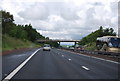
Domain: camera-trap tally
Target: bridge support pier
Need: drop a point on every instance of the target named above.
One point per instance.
(75, 43)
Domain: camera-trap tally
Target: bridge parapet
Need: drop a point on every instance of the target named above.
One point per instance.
(58, 40)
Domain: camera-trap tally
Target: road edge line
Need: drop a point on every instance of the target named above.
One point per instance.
(19, 67)
(94, 57)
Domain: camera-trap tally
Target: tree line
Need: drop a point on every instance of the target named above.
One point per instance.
(23, 32)
(98, 33)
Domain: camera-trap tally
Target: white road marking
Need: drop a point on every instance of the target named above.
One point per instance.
(69, 59)
(106, 60)
(95, 57)
(19, 67)
(85, 68)
(62, 55)
(100, 58)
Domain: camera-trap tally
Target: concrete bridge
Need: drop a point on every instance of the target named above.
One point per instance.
(45, 41)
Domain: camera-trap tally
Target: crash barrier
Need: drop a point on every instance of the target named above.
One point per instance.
(110, 54)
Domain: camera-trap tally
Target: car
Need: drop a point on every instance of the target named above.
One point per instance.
(71, 48)
(80, 48)
(46, 47)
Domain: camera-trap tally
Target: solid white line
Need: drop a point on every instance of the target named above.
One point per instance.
(95, 57)
(20, 66)
(101, 59)
(85, 68)
(106, 60)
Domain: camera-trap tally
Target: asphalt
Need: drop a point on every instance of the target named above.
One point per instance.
(59, 64)
(11, 61)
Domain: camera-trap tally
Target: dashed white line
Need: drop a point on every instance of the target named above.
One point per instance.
(85, 68)
(62, 55)
(19, 67)
(69, 59)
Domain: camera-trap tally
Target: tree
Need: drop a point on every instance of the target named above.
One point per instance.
(18, 31)
(47, 38)
(7, 22)
(101, 28)
(98, 33)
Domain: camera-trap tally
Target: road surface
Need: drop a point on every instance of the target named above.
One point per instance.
(58, 64)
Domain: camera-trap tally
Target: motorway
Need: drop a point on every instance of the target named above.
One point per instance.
(58, 64)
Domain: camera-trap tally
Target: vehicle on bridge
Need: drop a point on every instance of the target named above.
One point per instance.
(46, 47)
(108, 43)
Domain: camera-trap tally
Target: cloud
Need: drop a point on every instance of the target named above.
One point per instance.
(69, 13)
(35, 12)
(64, 19)
(97, 4)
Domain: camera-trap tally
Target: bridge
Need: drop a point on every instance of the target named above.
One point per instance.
(45, 41)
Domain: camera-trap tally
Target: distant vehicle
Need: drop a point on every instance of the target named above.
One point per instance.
(108, 43)
(46, 47)
(72, 48)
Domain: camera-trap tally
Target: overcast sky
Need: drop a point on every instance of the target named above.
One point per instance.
(64, 19)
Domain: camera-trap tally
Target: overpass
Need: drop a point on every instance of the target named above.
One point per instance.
(45, 41)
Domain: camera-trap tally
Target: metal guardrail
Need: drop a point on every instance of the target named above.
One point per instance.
(112, 54)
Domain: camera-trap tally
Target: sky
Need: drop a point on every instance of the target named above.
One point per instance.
(64, 19)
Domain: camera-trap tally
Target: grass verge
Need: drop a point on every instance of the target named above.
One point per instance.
(11, 43)
(91, 46)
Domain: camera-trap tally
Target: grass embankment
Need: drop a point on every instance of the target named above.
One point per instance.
(90, 46)
(10, 43)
